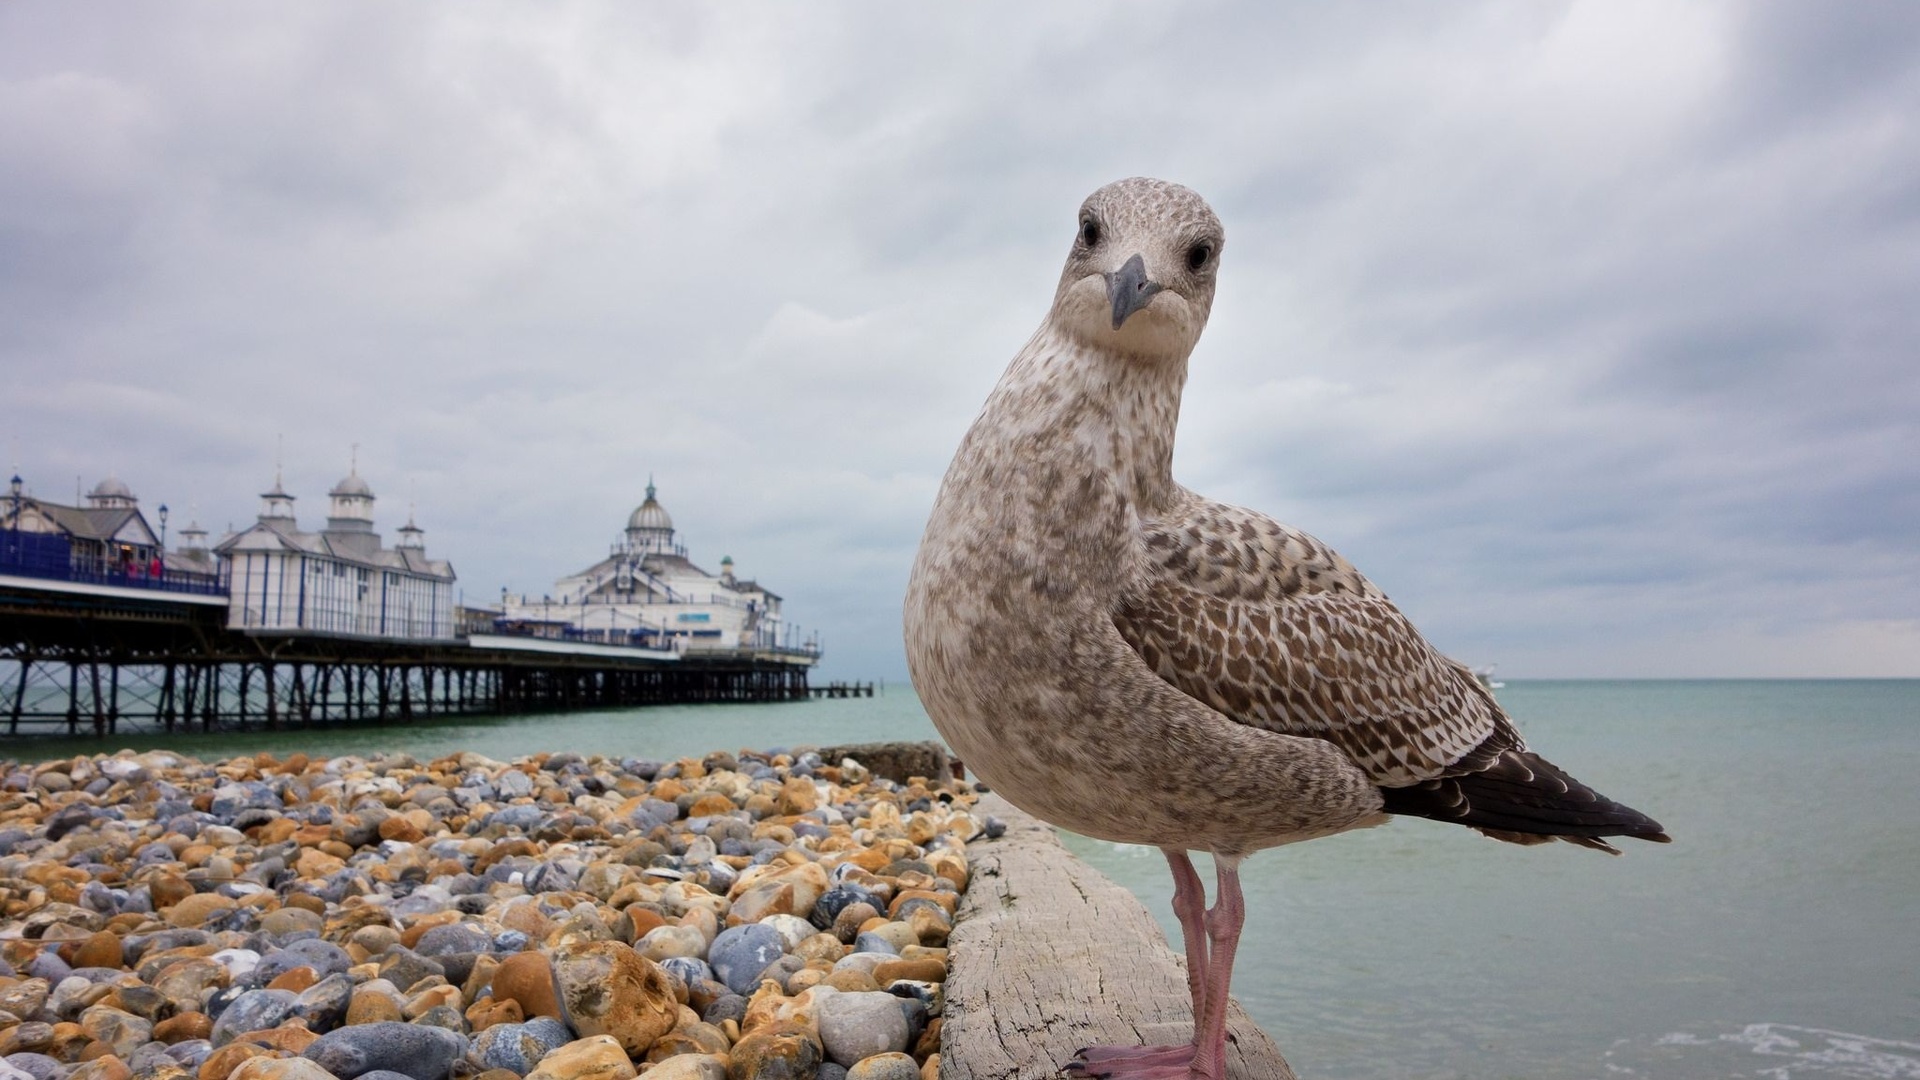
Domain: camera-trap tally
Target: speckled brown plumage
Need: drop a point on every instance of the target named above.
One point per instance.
(1269, 626)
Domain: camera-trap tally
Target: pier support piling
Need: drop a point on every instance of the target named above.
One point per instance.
(123, 685)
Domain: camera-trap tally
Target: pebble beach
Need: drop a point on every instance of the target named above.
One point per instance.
(556, 917)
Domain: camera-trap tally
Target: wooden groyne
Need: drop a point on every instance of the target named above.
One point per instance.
(1048, 955)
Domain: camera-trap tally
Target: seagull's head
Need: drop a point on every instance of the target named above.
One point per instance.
(1140, 278)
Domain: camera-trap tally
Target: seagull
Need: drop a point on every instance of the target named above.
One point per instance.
(1135, 662)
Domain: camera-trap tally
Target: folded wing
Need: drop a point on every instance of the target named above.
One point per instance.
(1272, 628)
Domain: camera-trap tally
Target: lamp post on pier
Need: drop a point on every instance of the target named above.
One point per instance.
(163, 529)
(14, 487)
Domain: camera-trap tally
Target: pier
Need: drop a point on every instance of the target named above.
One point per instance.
(105, 630)
(111, 657)
(842, 690)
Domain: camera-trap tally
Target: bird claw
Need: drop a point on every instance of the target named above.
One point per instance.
(1131, 1062)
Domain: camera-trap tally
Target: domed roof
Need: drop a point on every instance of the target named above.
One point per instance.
(352, 485)
(650, 514)
(110, 488)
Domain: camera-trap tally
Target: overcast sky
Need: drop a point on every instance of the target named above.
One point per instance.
(1591, 332)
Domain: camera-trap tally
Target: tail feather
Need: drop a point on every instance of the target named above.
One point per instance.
(1522, 798)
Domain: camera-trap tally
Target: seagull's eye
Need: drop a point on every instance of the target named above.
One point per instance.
(1199, 255)
(1089, 232)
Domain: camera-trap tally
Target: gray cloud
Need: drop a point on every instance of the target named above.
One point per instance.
(1585, 329)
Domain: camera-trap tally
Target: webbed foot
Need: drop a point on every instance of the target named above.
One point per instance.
(1133, 1062)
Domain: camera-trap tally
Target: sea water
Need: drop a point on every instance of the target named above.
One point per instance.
(1778, 936)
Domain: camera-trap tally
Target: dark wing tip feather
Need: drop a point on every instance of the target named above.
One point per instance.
(1522, 798)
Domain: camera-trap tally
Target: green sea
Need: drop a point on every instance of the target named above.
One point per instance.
(1777, 937)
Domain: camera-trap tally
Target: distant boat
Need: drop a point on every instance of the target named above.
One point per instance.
(1484, 675)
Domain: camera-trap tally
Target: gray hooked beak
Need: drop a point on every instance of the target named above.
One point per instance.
(1129, 289)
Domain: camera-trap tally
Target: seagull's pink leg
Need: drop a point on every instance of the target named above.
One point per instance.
(1164, 1062)
(1229, 913)
(1190, 906)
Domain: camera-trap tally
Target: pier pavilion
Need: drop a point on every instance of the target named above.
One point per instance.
(107, 538)
(647, 590)
(339, 580)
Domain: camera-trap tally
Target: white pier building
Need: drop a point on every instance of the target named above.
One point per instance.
(340, 580)
(648, 592)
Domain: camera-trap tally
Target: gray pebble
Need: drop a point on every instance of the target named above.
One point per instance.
(403, 967)
(255, 1010)
(38, 1066)
(860, 1025)
(444, 1016)
(48, 965)
(740, 953)
(522, 817)
(452, 938)
(518, 1047)
(324, 1004)
(418, 1051)
(916, 1012)
(688, 969)
(726, 1007)
(190, 1052)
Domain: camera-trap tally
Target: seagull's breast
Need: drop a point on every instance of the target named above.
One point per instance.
(1034, 542)
(1018, 567)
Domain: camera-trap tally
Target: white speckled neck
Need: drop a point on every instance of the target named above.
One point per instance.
(1091, 412)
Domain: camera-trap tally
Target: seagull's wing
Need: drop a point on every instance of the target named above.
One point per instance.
(1272, 628)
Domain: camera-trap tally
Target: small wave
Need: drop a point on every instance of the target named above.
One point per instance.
(1799, 1053)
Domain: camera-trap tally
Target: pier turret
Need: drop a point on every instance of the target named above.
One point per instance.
(350, 515)
(111, 494)
(193, 556)
(410, 536)
(351, 508)
(276, 504)
(650, 527)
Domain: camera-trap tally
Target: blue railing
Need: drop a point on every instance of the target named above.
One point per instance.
(632, 639)
(551, 631)
(50, 557)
